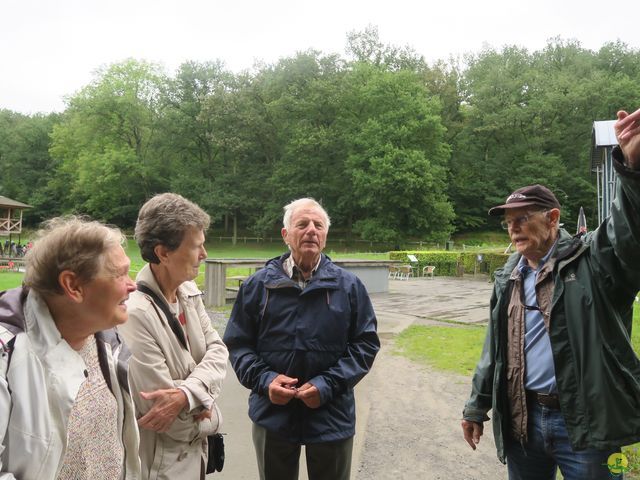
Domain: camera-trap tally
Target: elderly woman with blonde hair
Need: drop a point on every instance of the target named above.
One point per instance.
(179, 361)
(65, 406)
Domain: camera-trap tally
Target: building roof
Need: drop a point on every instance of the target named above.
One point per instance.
(8, 203)
(603, 133)
(603, 137)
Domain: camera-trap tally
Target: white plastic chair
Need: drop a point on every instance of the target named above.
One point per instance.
(393, 271)
(404, 272)
(428, 271)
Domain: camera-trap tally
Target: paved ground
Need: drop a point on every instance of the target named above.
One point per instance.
(408, 416)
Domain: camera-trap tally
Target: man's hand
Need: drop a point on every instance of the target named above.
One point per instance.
(472, 432)
(627, 130)
(168, 403)
(309, 394)
(282, 389)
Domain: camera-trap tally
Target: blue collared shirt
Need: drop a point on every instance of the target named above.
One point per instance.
(540, 374)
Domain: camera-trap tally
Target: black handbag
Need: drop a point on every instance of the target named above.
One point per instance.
(215, 458)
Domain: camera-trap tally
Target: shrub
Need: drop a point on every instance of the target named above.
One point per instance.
(453, 263)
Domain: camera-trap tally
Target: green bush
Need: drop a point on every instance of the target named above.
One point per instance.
(491, 261)
(454, 263)
(445, 262)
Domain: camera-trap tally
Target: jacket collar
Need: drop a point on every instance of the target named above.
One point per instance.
(186, 290)
(567, 246)
(39, 323)
(326, 275)
(120, 354)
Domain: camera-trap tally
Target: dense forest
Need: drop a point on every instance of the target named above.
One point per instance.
(394, 147)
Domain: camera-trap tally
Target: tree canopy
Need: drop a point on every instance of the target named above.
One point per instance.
(393, 147)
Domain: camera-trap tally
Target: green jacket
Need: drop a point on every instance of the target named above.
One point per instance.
(596, 279)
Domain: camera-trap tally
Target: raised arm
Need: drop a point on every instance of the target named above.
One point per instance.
(627, 130)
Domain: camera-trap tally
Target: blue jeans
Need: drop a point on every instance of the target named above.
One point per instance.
(549, 448)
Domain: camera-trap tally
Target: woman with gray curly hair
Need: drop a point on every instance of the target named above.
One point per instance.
(179, 361)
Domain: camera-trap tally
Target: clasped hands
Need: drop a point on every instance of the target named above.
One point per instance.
(283, 389)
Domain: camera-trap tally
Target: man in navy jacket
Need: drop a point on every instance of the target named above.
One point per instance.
(302, 333)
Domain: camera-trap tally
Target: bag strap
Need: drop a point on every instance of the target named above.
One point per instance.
(174, 323)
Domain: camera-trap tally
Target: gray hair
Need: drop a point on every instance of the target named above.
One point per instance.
(164, 220)
(290, 209)
(72, 243)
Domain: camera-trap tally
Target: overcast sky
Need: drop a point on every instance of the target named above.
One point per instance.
(50, 48)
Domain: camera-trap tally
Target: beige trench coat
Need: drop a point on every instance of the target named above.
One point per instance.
(159, 361)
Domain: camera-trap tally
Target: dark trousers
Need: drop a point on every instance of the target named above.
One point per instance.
(280, 460)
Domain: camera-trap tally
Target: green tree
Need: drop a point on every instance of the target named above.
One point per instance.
(528, 119)
(396, 155)
(365, 46)
(301, 98)
(25, 162)
(107, 143)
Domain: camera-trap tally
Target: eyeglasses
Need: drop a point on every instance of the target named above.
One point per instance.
(521, 220)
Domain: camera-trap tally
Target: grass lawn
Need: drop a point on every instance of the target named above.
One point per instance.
(10, 280)
(457, 349)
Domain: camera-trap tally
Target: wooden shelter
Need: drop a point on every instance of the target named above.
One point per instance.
(11, 216)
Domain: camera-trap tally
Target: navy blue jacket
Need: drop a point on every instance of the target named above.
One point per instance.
(324, 334)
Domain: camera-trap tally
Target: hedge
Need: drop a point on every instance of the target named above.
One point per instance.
(456, 264)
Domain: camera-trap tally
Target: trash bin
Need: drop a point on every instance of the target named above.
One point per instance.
(448, 245)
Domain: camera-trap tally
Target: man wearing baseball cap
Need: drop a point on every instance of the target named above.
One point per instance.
(558, 370)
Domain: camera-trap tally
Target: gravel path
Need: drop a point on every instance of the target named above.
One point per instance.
(412, 426)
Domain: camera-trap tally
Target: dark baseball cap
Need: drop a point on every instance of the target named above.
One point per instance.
(532, 195)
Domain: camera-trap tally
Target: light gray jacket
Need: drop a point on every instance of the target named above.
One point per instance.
(40, 388)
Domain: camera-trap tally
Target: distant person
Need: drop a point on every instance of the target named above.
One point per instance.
(558, 368)
(301, 335)
(179, 361)
(65, 407)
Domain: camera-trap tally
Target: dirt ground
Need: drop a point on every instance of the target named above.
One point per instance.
(408, 415)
